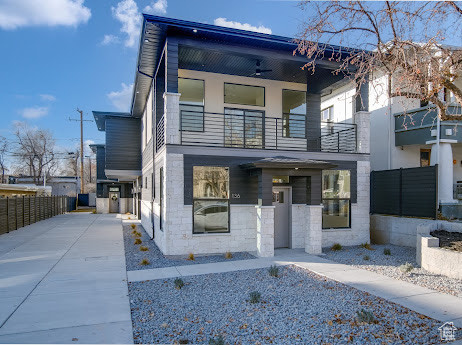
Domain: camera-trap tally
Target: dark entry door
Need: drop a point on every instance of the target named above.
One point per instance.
(281, 203)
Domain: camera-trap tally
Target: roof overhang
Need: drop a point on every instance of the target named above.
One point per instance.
(101, 116)
(287, 163)
(122, 175)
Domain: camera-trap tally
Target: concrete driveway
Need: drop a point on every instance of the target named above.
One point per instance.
(63, 280)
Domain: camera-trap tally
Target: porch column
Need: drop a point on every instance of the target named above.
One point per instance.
(265, 231)
(172, 118)
(313, 235)
(445, 171)
(363, 131)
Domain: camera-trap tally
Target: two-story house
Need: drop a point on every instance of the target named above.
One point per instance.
(407, 134)
(235, 154)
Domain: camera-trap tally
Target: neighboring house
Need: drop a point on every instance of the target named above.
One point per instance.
(60, 185)
(113, 195)
(234, 154)
(15, 190)
(408, 134)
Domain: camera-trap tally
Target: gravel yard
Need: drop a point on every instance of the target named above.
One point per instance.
(388, 265)
(133, 254)
(298, 307)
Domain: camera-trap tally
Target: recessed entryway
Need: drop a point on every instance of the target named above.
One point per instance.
(281, 202)
(114, 202)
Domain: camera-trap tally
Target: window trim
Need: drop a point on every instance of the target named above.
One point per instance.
(322, 201)
(212, 199)
(250, 105)
(286, 116)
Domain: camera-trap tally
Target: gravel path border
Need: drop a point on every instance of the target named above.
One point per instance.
(298, 307)
(388, 265)
(134, 256)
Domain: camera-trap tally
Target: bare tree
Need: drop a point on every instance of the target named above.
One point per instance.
(35, 151)
(404, 39)
(3, 152)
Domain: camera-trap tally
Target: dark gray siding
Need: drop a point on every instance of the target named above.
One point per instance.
(123, 144)
(306, 183)
(313, 121)
(172, 65)
(125, 189)
(100, 163)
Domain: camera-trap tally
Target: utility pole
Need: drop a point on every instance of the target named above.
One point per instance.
(82, 184)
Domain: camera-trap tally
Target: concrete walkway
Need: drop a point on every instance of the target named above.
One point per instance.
(63, 280)
(428, 302)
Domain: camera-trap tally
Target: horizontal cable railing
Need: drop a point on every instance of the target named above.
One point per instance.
(257, 131)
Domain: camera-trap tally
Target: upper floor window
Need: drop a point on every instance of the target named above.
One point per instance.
(294, 113)
(244, 94)
(327, 114)
(192, 98)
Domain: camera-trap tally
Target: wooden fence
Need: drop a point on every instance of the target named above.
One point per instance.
(17, 212)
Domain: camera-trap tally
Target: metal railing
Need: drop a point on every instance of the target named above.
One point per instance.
(256, 131)
(458, 190)
(160, 134)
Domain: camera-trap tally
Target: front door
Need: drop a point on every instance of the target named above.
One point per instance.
(281, 216)
(114, 202)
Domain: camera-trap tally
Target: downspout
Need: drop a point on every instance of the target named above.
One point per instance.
(438, 136)
(390, 125)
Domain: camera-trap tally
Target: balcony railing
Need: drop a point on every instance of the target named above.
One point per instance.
(256, 131)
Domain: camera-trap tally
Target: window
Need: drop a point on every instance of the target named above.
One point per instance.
(336, 199)
(281, 179)
(425, 157)
(293, 113)
(327, 114)
(191, 104)
(244, 94)
(243, 128)
(210, 199)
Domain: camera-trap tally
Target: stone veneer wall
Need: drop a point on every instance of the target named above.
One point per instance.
(402, 231)
(298, 225)
(265, 231)
(102, 205)
(360, 219)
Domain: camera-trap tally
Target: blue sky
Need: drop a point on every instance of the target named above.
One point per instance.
(58, 55)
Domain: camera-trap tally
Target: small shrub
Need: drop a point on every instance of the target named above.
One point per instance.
(191, 257)
(406, 268)
(366, 257)
(366, 246)
(365, 316)
(179, 283)
(255, 297)
(94, 212)
(129, 218)
(386, 251)
(218, 341)
(144, 249)
(137, 234)
(144, 262)
(138, 241)
(273, 271)
(228, 255)
(133, 226)
(183, 341)
(336, 247)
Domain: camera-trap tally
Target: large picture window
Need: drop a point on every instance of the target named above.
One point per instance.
(192, 98)
(336, 199)
(210, 199)
(293, 114)
(244, 94)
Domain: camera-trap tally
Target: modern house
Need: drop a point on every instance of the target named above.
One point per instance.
(118, 162)
(409, 134)
(234, 154)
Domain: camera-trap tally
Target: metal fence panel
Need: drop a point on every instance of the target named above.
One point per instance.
(405, 192)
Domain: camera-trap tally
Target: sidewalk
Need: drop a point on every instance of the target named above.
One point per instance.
(428, 302)
(63, 280)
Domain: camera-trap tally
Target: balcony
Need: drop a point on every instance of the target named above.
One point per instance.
(257, 131)
(418, 126)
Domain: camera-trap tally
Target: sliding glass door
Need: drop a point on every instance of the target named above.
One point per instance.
(243, 128)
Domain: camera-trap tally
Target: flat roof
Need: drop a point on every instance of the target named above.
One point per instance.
(101, 116)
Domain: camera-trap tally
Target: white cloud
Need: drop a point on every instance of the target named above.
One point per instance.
(241, 26)
(34, 112)
(109, 39)
(127, 14)
(158, 7)
(49, 98)
(20, 13)
(121, 99)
